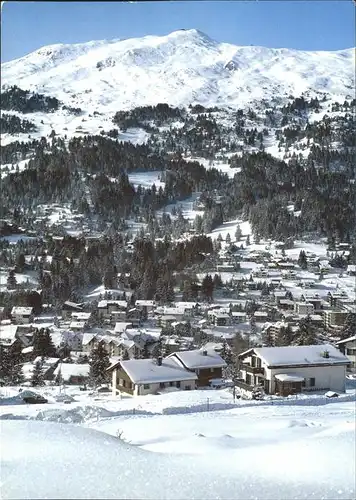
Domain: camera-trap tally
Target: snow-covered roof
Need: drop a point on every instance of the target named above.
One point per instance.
(68, 370)
(199, 358)
(77, 324)
(22, 311)
(8, 332)
(146, 371)
(186, 305)
(289, 377)
(349, 339)
(28, 349)
(81, 316)
(87, 337)
(121, 326)
(299, 355)
(145, 303)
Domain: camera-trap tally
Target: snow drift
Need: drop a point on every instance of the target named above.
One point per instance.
(47, 460)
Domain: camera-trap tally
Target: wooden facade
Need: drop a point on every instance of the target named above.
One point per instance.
(123, 382)
(206, 374)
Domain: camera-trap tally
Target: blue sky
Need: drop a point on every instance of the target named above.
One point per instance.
(305, 25)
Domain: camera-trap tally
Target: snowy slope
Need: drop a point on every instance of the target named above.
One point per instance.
(182, 68)
(266, 452)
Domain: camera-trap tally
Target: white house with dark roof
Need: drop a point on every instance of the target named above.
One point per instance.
(140, 377)
(291, 370)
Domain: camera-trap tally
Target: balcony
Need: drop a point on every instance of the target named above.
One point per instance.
(252, 369)
(242, 385)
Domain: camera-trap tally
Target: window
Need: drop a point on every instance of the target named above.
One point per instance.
(303, 383)
(170, 384)
(178, 385)
(212, 370)
(162, 385)
(312, 382)
(123, 383)
(187, 387)
(351, 352)
(146, 386)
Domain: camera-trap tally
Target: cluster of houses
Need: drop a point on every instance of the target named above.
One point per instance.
(131, 332)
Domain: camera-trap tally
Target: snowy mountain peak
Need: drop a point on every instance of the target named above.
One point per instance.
(181, 68)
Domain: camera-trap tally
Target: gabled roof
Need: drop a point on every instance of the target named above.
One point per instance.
(349, 339)
(197, 359)
(147, 371)
(299, 355)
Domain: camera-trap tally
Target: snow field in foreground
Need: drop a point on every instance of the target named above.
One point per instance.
(252, 451)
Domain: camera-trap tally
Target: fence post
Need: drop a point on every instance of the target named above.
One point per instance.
(207, 400)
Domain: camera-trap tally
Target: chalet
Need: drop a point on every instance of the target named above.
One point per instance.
(140, 377)
(278, 295)
(351, 270)
(260, 316)
(145, 306)
(106, 308)
(167, 320)
(81, 316)
(219, 318)
(291, 370)
(77, 326)
(286, 304)
(134, 315)
(348, 347)
(117, 316)
(189, 308)
(71, 373)
(22, 315)
(207, 365)
(238, 317)
(89, 341)
(69, 307)
(10, 336)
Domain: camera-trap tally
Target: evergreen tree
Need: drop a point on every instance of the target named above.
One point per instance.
(226, 353)
(37, 375)
(238, 233)
(43, 344)
(99, 362)
(228, 239)
(11, 280)
(302, 260)
(82, 359)
(20, 262)
(285, 336)
(10, 365)
(157, 350)
(248, 240)
(349, 327)
(207, 288)
(306, 332)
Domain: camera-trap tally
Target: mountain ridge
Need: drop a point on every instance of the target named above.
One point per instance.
(181, 68)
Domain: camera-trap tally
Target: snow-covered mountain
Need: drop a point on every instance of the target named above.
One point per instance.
(184, 67)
